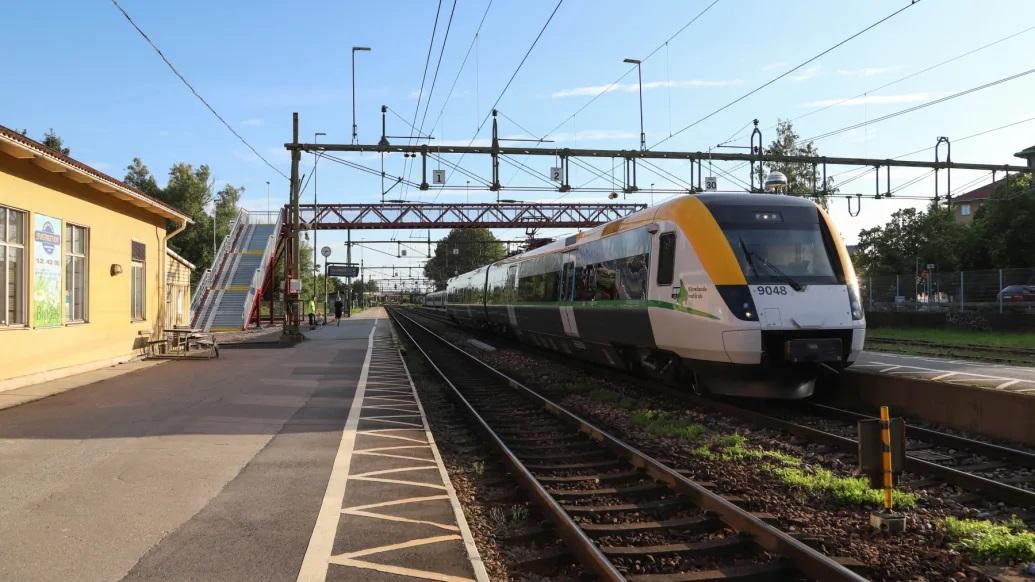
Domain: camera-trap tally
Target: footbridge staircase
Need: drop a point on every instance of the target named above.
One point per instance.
(228, 293)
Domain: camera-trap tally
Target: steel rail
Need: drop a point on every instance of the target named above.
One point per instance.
(1017, 456)
(805, 559)
(1002, 491)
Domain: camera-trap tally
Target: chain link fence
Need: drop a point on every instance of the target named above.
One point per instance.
(991, 290)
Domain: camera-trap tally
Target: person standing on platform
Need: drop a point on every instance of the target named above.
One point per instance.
(339, 308)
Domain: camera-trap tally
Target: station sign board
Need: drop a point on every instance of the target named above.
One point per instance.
(342, 271)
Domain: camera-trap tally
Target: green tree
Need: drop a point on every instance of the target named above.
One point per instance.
(190, 191)
(53, 142)
(1003, 234)
(913, 236)
(462, 250)
(802, 179)
(226, 208)
(139, 176)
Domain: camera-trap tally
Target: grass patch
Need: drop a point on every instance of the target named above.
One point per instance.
(824, 483)
(668, 425)
(1000, 543)
(955, 337)
(611, 397)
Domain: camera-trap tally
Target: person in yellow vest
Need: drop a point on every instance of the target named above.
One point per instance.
(312, 312)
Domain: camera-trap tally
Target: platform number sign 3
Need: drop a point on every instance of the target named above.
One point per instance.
(438, 177)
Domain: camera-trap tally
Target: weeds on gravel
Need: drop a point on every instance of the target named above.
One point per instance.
(511, 520)
(667, 425)
(849, 490)
(478, 468)
(611, 397)
(987, 541)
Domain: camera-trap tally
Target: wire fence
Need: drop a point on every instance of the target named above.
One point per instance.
(991, 290)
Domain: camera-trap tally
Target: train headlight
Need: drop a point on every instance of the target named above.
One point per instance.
(855, 302)
(738, 299)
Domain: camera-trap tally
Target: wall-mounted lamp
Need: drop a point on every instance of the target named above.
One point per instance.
(116, 269)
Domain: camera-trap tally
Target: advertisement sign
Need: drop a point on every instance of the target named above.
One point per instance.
(46, 270)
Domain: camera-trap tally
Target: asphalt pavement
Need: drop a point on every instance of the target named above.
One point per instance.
(192, 470)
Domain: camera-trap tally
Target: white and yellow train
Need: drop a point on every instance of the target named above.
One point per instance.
(734, 294)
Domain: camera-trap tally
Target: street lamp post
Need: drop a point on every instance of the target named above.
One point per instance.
(267, 197)
(315, 246)
(639, 75)
(354, 49)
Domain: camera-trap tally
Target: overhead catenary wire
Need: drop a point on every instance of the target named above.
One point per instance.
(461, 69)
(190, 86)
(424, 78)
(788, 72)
(608, 88)
(920, 106)
(512, 77)
(895, 82)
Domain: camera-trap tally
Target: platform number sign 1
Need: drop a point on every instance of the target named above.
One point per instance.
(555, 174)
(438, 177)
(711, 184)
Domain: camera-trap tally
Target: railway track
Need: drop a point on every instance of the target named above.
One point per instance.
(621, 513)
(1001, 355)
(1001, 473)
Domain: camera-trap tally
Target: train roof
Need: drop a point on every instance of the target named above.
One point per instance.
(648, 215)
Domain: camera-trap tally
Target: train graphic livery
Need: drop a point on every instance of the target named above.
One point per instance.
(731, 294)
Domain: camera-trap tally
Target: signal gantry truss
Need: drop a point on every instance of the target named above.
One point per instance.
(461, 215)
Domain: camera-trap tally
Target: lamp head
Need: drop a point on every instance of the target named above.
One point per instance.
(360, 48)
(632, 61)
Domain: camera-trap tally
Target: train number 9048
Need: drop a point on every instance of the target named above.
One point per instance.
(771, 290)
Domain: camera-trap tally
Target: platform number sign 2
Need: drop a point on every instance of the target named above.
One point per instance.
(438, 177)
(555, 174)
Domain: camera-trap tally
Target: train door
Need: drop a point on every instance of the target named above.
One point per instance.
(569, 273)
(510, 292)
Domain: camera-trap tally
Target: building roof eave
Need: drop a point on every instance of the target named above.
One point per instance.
(20, 147)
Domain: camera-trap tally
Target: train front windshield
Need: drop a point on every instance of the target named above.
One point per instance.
(780, 247)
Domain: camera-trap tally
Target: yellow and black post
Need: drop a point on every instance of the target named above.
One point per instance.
(885, 439)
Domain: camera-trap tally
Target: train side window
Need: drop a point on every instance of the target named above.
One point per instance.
(666, 258)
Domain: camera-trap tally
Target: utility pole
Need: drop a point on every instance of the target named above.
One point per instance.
(639, 75)
(291, 321)
(348, 280)
(316, 160)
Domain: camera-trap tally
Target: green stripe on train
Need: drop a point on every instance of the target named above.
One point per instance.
(607, 303)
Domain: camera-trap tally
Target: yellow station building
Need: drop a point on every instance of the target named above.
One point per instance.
(84, 268)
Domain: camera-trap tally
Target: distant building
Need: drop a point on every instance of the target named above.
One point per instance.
(966, 205)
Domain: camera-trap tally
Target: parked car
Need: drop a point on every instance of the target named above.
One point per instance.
(1018, 297)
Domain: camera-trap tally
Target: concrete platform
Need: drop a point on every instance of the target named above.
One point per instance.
(390, 512)
(219, 469)
(1015, 379)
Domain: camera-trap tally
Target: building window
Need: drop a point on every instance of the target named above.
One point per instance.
(12, 267)
(137, 283)
(964, 209)
(77, 245)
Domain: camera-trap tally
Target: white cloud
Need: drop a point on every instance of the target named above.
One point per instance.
(774, 66)
(806, 73)
(868, 71)
(593, 90)
(253, 122)
(875, 100)
(163, 133)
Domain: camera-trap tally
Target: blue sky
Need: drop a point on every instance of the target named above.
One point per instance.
(79, 68)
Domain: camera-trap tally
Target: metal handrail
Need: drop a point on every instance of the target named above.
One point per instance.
(205, 282)
(260, 273)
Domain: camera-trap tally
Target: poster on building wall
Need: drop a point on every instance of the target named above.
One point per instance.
(46, 270)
